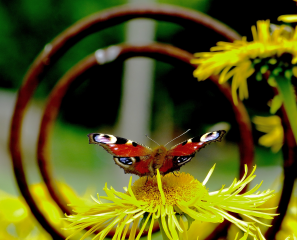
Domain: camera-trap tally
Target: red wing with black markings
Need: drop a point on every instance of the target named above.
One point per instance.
(131, 156)
(141, 160)
(182, 153)
(120, 147)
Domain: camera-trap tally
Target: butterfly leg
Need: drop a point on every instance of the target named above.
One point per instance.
(174, 173)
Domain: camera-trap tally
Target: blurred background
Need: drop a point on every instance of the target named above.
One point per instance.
(168, 100)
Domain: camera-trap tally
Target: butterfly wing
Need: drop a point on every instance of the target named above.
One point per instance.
(132, 157)
(183, 152)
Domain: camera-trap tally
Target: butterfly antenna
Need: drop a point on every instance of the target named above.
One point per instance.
(152, 140)
(177, 137)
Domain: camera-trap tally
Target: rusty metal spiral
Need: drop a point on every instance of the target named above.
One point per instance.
(162, 52)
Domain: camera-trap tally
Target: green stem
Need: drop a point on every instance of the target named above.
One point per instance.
(287, 93)
(162, 230)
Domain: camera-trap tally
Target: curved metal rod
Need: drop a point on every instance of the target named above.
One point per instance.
(246, 149)
(162, 52)
(99, 21)
(60, 45)
(289, 150)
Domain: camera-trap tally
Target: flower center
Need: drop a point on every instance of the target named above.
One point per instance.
(177, 187)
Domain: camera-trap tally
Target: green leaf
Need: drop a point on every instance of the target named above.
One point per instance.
(259, 76)
(286, 90)
(257, 60)
(177, 210)
(164, 236)
(276, 103)
(264, 69)
(288, 74)
(145, 216)
(276, 71)
(189, 219)
(272, 61)
(271, 81)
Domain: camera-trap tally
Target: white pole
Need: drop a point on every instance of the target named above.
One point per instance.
(135, 107)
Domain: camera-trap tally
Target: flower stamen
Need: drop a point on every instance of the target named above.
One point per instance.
(175, 201)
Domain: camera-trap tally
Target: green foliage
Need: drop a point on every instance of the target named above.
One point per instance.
(27, 26)
(70, 148)
(202, 5)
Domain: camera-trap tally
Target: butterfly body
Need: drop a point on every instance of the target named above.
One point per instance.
(143, 161)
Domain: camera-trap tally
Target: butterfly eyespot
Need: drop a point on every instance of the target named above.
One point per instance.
(183, 159)
(124, 160)
(104, 138)
(209, 136)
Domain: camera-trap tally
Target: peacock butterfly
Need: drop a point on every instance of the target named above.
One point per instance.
(143, 161)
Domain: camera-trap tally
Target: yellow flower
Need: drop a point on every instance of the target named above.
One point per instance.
(273, 128)
(288, 18)
(293, 237)
(17, 221)
(204, 228)
(289, 224)
(237, 59)
(175, 201)
(288, 228)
